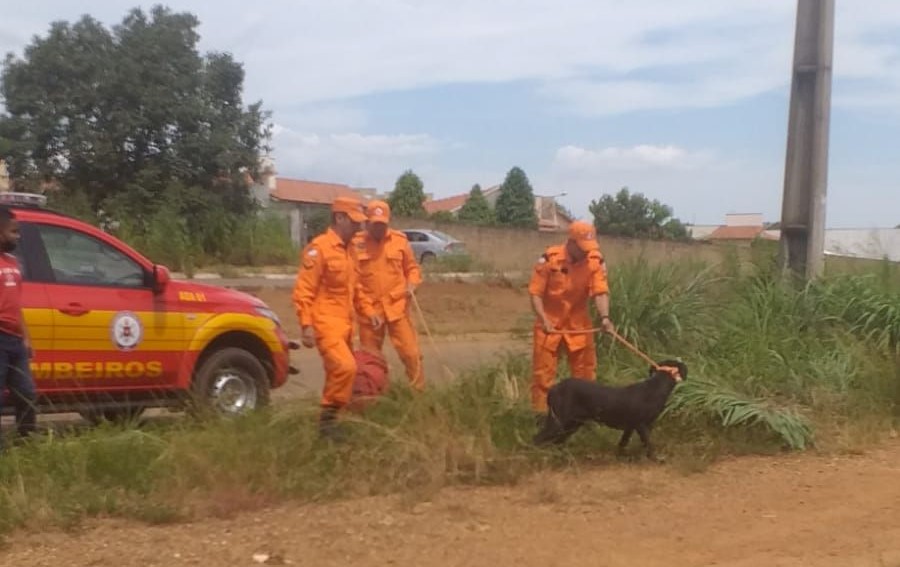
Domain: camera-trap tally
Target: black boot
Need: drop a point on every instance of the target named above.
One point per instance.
(329, 428)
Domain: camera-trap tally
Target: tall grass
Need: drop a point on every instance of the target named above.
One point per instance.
(771, 367)
(781, 358)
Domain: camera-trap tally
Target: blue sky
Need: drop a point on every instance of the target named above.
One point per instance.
(683, 101)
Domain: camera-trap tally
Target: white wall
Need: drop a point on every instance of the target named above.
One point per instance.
(874, 243)
(871, 243)
(743, 219)
(4, 177)
(702, 230)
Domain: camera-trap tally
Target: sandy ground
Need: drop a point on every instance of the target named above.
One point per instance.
(471, 325)
(789, 510)
(800, 510)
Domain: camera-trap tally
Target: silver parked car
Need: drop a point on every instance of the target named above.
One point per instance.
(428, 244)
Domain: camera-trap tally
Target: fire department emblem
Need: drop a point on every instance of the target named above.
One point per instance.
(126, 330)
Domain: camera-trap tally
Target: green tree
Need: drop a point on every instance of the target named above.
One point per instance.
(476, 209)
(121, 117)
(317, 222)
(636, 216)
(408, 196)
(6, 147)
(515, 204)
(442, 216)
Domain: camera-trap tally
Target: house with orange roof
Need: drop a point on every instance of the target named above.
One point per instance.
(551, 216)
(302, 200)
(738, 227)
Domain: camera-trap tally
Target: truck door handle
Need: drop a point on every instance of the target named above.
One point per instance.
(74, 309)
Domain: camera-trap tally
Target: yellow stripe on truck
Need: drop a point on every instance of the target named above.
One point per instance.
(260, 327)
(161, 331)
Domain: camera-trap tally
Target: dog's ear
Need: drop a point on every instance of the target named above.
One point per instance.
(682, 367)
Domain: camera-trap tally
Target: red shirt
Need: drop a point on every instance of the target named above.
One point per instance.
(10, 296)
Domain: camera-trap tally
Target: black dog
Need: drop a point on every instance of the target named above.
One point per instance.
(574, 402)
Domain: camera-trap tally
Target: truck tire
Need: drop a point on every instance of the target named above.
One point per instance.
(230, 382)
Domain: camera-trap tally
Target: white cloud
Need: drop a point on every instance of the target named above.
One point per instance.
(353, 158)
(325, 118)
(643, 156)
(691, 181)
(308, 60)
(588, 56)
(700, 186)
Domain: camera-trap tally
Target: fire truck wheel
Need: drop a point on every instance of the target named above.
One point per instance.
(230, 382)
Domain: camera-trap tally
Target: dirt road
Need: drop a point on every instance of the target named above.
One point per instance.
(446, 359)
(471, 324)
(785, 511)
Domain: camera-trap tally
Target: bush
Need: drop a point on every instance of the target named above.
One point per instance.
(187, 228)
(450, 263)
(262, 240)
(211, 236)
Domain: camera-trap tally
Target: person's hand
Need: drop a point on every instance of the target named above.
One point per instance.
(410, 291)
(607, 325)
(548, 326)
(308, 337)
(376, 322)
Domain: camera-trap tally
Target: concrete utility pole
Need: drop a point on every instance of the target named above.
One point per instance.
(806, 163)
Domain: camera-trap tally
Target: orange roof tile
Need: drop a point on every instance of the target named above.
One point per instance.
(301, 191)
(449, 204)
(454, 202)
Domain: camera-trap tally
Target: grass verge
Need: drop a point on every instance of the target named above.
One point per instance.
(772, 368)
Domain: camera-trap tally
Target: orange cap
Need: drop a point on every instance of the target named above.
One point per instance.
(583, 234)
(351, 206)
(378, 211)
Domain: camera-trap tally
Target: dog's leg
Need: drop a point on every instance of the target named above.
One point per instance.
(551, 432)
(644, 433)
(568, 430)
(623, 442)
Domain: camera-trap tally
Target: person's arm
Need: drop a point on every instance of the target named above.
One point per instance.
(411, 269)
(537, 305)
(305, 288)
(536, 288)
(601, 302)
(26, 336)
(600, 290)
(363, 302)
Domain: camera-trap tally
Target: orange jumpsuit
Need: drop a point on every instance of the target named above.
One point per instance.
(324, 296)
(565, 288)
(385, 270)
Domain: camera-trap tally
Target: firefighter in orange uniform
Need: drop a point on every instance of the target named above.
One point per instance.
(564, 279)
(324, 298)
(388, 276)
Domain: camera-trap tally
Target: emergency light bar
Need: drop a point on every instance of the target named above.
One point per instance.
(23, 199)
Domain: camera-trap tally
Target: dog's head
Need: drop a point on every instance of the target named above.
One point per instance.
(681, 374)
